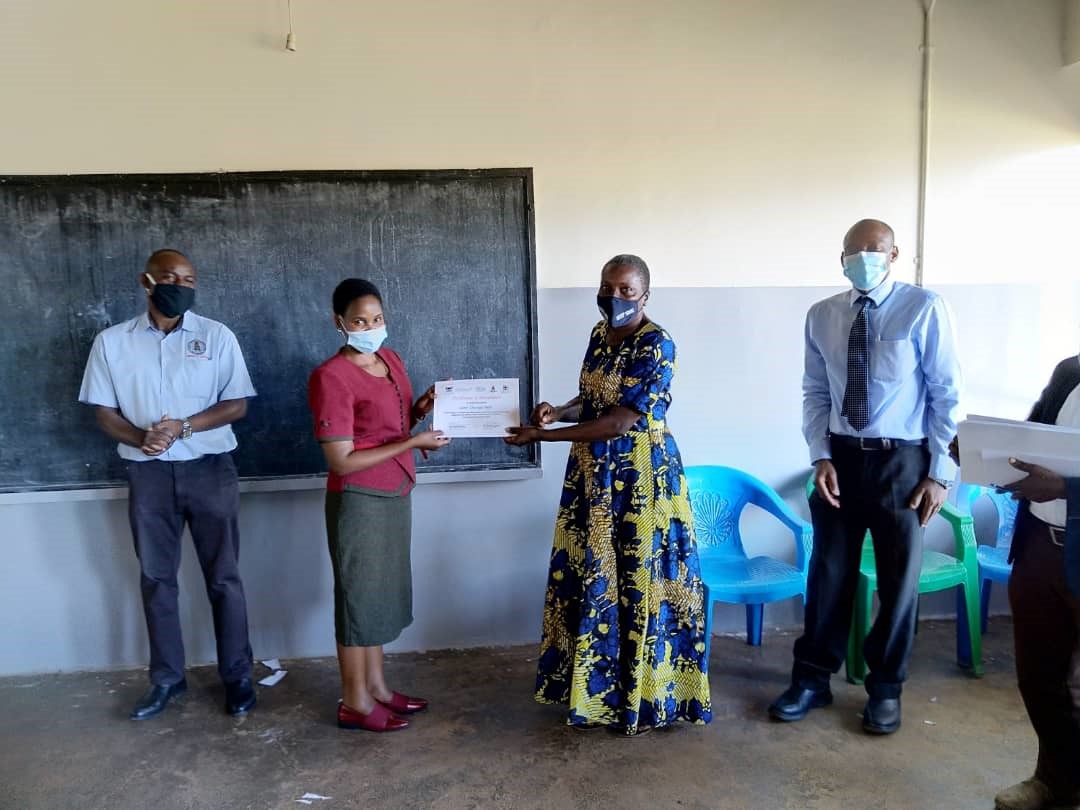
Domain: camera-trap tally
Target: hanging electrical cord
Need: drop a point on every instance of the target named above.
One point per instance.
(290, 40)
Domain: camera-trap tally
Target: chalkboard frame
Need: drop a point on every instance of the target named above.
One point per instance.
(531, 468)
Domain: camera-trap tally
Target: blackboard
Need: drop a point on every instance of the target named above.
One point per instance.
(452, 252)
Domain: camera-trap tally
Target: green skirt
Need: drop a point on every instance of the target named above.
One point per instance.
(369, 538)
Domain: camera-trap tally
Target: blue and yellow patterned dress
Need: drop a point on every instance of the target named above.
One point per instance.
(623, 637)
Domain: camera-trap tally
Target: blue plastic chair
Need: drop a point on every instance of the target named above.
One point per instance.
(994, 565)
(717, 498)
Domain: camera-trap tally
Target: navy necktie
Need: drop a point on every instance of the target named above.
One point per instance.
(856, 395)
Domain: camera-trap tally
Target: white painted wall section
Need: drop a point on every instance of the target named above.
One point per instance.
(729, 143)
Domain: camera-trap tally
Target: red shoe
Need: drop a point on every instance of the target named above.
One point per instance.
(378, 719)
(403, 704)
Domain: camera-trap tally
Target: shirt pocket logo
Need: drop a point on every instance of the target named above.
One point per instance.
(892, 360)
(196, 349)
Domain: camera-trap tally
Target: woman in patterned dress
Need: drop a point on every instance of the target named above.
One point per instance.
(623, 635)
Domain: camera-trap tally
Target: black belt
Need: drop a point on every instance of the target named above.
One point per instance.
(1056, 533)
(874, 443)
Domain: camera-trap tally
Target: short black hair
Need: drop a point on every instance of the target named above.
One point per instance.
(349, 290)
(157, 254)
(630, 260)
(876, 223)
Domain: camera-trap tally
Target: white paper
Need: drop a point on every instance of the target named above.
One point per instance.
(987, 444)
(271, 680)
(272, 663)
(315, 796)
(472, 409)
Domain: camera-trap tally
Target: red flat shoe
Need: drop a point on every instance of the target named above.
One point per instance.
(378, 719)
(403, 704)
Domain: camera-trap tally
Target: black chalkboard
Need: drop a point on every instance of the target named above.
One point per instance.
(452, 252)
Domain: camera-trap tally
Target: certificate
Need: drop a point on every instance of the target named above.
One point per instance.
(475, 409)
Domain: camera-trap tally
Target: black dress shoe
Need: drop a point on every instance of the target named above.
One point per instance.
(796, 702)
(156, 698)
(881, 715)
(239, 696)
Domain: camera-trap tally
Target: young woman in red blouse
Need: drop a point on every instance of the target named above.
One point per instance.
(364, 413)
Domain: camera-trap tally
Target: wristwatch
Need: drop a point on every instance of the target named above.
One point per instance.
(185, 429)
(945, 484)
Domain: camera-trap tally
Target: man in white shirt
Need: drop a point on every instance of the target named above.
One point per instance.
(166, 386)
(1044, 593)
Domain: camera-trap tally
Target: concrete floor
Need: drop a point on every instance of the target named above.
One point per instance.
(65, 741)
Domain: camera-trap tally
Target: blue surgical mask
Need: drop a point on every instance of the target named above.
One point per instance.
(617, 311)
(866, 270)
(367, 342)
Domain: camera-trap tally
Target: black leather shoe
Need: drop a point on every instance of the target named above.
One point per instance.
(881, 715)
(239, 696)
(156, 699)
(796, 702)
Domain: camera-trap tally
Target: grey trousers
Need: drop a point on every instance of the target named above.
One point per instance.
(205, 495)
(875, 488)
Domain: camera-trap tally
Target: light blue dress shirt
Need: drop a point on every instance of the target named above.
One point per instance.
(914, 373)
(147, 374)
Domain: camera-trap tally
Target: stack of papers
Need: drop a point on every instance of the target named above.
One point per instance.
(987, 444)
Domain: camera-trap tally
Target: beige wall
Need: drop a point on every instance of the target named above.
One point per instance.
(730, 143)
(1071, 40)
(1005, 172)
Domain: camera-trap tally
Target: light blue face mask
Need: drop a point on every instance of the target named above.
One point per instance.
(866, 270)
(367, 342)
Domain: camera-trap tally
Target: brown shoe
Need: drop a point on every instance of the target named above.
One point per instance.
(1031, 794)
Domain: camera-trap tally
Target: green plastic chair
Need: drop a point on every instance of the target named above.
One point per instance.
(939, 572)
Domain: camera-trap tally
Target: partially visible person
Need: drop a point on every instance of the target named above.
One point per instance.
(363, 410)
(1044, 593)
(624, 623)
(167, 385)
(880, 401)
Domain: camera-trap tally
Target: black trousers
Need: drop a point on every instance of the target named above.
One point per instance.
(875, 490)
(1046, 625)
(204, 494)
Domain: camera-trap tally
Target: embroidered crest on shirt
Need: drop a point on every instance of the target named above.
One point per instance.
(197, 348)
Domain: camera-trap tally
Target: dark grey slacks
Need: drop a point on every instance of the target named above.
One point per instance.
(875, 489)
(205, 495)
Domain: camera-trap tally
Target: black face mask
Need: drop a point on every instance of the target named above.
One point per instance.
(172, 300)
(617, 311)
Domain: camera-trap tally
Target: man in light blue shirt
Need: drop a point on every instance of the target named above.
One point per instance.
(167, 385)
(880, 402)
